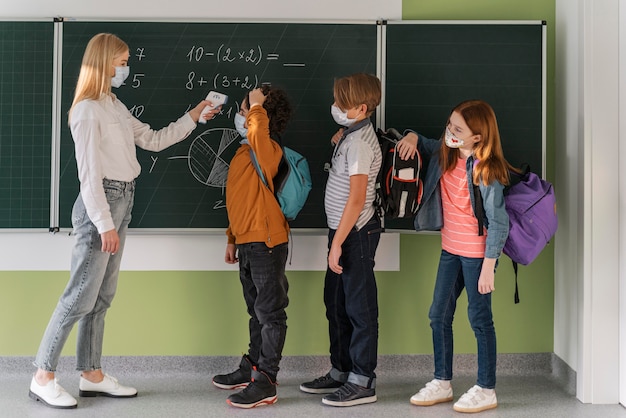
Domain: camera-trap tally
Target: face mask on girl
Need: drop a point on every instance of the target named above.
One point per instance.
(240, 120)
(453, 141)
(341, 117)
(121, 74)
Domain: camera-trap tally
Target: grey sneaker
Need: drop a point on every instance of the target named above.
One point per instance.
(240, 378)
(324, 384)
(349, 395)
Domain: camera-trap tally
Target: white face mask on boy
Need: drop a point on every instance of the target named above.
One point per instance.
(341, 117)
(121, 74)
(240, 120)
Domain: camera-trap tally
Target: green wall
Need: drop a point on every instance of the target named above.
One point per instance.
(202, 313)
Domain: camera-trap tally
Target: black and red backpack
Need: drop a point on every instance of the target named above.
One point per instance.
(399, 184)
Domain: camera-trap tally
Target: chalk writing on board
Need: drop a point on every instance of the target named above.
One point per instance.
(225, 53)
(209, 154)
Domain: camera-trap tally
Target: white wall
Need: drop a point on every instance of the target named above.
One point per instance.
(568, 249)
(197, 251)
(598, 380)
(587, 253)
(622, 203)
(194, 9)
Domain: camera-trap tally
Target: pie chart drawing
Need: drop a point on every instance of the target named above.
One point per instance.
(210, 153)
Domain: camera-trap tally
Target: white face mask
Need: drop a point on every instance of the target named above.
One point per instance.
(341, 117)
(121, 74)
(240, 120)
(453, 141)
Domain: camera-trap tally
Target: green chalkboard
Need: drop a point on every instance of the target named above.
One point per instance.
(26, 80)
(174, 65)
(426, 67)
(433, 66)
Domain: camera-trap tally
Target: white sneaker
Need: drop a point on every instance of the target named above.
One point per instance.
(431, 394)
(108, 387)
(52, 395)
(476, 400)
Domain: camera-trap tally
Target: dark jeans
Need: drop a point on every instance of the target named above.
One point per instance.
(352, 306)
(265, 286)
(454, 274)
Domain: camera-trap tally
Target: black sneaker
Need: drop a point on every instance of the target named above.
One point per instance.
(240, 378)
(260, 391)
(349, 395)
(324, 384)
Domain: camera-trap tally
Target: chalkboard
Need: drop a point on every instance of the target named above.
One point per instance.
(433, 66)
(174, 65)
(427, 67)
(26, 80)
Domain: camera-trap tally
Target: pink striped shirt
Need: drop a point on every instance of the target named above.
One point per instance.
(459, 234)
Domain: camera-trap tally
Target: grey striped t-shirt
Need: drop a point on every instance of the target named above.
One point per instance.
(358, 153)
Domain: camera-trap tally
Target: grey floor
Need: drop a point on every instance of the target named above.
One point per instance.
(528, 386)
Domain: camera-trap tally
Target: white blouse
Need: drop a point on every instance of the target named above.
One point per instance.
(105, 135)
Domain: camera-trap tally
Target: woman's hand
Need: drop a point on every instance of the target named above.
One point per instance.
(256, 97)
(197, 111)
(110, 241)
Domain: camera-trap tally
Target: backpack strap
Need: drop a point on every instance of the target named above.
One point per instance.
(256, 165)
(478, 201)
(479, 210)
(516, 289)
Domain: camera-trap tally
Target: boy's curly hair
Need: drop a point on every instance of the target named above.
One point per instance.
(278, 107)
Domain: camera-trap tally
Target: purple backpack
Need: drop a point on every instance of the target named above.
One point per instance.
(531, 206)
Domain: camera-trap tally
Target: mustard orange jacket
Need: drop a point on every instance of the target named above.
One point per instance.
(254, 214)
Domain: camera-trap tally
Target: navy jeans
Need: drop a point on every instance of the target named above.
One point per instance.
(352, 307)
(265, 286)
(454, 274)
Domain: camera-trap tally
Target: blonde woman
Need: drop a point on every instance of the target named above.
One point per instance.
(105, 135)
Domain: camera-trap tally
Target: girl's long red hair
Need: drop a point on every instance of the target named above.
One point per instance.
(481, 119)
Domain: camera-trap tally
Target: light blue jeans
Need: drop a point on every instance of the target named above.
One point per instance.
(92, 285)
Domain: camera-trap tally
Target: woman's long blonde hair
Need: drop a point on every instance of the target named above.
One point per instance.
(481, 120)
(95, 78)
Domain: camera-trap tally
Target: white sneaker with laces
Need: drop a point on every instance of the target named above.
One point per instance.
(431, 394)
(108, 387)
(476, 400)
(52, 395)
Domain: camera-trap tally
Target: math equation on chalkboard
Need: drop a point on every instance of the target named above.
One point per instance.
(174, 65)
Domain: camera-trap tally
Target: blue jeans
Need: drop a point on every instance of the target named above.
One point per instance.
(352, 307)
(265, 287)
(454, 274)
(92, 285)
